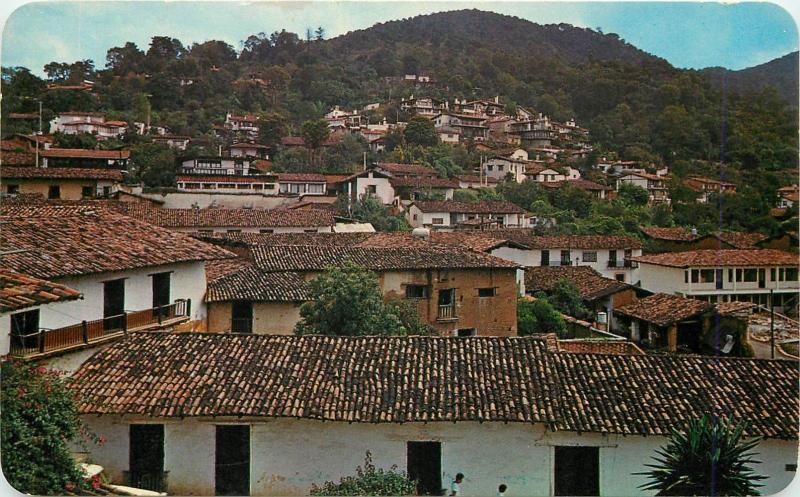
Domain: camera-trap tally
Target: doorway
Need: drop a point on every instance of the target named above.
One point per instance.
(146, 457)
(113, 304)
(577, 471)
(424, 464)
(232, 460)
(161, 293)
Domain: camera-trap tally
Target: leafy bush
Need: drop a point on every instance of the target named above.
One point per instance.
(708, 458)
(39, 419)
(369, 480)
(538, 316)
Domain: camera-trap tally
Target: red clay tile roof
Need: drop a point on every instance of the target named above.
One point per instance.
(218, 268)
(18, 291)
(734, 308)
(234, 218)
(61, 173)
(741, 240)
(256, 285)
(587, 242)
(591, 284)
(8, 158)
(396, 168)
(599, 346)
(423, 182)
(432, 379)
(317, 258)
(86, 154)
(51, 241)
(483, 207)
(717, 258)
(301, 177)
(677, 234)
(662, 309)
(252, 239)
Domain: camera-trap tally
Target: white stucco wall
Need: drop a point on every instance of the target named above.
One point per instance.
(255, 229)
(601, 265)
(383, 189)
(188, 200)
(287, 456)
(672, 280)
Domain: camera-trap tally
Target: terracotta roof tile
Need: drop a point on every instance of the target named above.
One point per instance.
(49, 241)
(430, 379)
(18, 291)
(423, 182)
(86, 154)
(256, 285)
(599, 346)
(586, 242)
(236, 218)
(302, 177)
(218, 268)
(672, 234)
(396, 169)
(317, 258)
(741, 240)
(227, 178)
(717, 258)
(62, 173)
(591, 284)
(663, 309)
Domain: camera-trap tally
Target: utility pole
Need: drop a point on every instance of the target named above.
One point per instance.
(771, 326)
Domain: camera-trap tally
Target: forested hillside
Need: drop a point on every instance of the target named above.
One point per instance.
(637, 106)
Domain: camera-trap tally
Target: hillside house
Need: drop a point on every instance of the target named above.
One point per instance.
(95, 123)
(724, 275)
(216, 165)
(249, 149)
(60, 183)
(522, 411)
(706, 186)
(132, 275)
(788, 196)
(424, 106)
(455, 215)
(411, 188)
(369, 183)
(246, 124)
(595, 189)
(177, 142)
(470, 127)
(654, 185)
(500, 166)
(534, 132)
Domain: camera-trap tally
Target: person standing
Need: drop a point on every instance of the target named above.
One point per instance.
(455, 486)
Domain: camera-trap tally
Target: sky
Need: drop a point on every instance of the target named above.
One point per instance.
(688, 35)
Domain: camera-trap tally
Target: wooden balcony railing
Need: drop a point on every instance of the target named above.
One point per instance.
(48, 340)
(623, 264)
(446, 312)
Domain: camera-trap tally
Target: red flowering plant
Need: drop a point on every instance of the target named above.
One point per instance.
(39, 421)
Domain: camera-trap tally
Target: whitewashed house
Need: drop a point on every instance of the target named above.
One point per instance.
(369, 183)
(215, 165)
(515, 164)
(249, 149)
(450, 214)
(654, 184)
(132, 275)
(724, 275)
(260, 184)
(95, 123)
(519, 411)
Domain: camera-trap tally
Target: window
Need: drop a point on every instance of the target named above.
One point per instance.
(417, 291)
(706, 276)
(437, 220)
(565, 258)
(612, 257)
(695, 276)
(258, 186)
(87, 192)
(466, 332)
(12, 189)
(424, 465)
(790, 274)
(242, 317)
(206, 232)
(620, 277)
(24, 326)
(686, 276)
(500, 168)
(545, 258)
(243, 186)
(146, 456)
(750, 275)
(54, 192)
(490, 168)
(414, 217)
(590, 257)
(310, 231)
(316, 188)
(266, 231)
(234, 231)
(487, 292)
(232, 460)
(372, 189)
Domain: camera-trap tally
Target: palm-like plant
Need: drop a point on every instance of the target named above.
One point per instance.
(708, 458)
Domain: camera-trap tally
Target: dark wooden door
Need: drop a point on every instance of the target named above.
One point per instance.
(113, 304)
(424, 464)
(161, 292)
(242, 317)
(232, 460)
(577, 471)
(146, 457)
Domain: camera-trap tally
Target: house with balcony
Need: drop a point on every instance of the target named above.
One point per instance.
(469, 126)
(595, 189)
(95, 123)
(449, 214)
(788, 196)
(59, 183)
(246, 124)
(178, 142)
(83, 158)
(458, 291)
(530, 411)
(654, 184)
(501, 166)
(423, 106)
(534, 132)
(608, 255)
(263, 184)
(302, 183)
(749, 275)
(249, 149)
(216, 165)
(132, 275)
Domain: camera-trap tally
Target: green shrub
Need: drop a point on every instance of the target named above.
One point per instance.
(369, 480)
